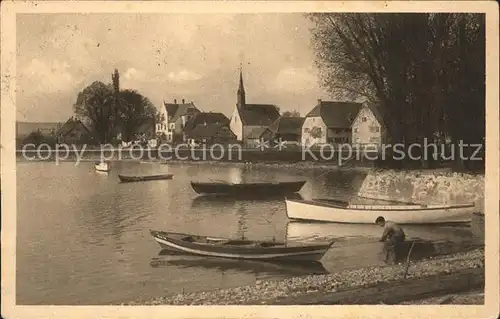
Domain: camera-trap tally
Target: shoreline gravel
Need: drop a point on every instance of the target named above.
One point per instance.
(264, 292)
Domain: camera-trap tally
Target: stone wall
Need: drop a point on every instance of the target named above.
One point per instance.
(428, 187)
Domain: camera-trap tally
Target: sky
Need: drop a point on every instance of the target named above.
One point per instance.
(195, 57)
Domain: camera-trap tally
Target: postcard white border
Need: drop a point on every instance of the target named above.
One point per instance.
(8, 160)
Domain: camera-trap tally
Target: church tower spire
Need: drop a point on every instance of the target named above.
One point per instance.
(241, 91)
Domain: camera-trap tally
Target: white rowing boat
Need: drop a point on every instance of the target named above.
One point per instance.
(102, 167)
(329, 210)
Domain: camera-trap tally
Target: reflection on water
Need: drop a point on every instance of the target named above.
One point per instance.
(83, 237)
(345, 233)
(358, 245)
(168, 258)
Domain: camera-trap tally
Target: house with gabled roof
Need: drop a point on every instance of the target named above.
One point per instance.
(174, 118)
(73, 131)
(368, 128)
(248, 117)
(210, 133)
(329, 122)
(287, 129)
(204, 118)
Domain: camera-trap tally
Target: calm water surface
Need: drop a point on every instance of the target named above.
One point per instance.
(83, 237)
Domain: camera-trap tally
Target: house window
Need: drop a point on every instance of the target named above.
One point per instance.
(355, 130)
(363, 119)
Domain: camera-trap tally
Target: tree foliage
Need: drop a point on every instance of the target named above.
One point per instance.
(293, 113)
(97, 106)
(425, 72)
(109, 110)
(136, 110)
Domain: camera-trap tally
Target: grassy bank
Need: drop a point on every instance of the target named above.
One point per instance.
(300, 290)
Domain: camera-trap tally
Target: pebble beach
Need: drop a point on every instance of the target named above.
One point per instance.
(267, 292)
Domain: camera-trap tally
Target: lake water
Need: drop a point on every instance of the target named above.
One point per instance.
(83, 237)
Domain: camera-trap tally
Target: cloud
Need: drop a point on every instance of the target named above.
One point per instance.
(183, 76)
(296, 79)
(47, 77)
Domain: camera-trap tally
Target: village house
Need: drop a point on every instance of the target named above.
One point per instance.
(73, 132)
(367, 128)
(175, 117)
(206, 122)
(286, 130)
(210, 134)
(329, 122)
(249, 117)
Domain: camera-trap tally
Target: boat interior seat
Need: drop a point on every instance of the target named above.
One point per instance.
(189, 239)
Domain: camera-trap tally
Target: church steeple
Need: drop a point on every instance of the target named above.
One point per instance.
(241, 91)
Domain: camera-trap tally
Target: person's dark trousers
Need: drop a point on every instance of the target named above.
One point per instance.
(390, 247)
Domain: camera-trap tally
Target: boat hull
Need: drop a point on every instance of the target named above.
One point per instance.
(359, 214)
(277, 253)
(130, 179)
(103, 167)
(263, 189)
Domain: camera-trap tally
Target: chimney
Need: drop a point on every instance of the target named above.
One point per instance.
(175, 101)
(319, 101)
(182, 101)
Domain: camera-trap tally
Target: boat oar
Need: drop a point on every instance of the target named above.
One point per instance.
(408, 259)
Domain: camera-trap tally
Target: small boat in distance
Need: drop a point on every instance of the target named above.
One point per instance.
(239, 249)
(130, 179)
(102, 167)
(244, 189)
(336, 211)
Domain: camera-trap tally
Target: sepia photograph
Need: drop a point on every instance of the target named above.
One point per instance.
(250, 154)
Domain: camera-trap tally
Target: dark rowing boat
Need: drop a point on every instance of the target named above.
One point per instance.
(238, 249)
(129, 179)
(260, 189)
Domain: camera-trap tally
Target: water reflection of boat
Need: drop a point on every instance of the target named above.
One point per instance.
(168, 258)
(298, 231)
(221, 200)
(239, 248)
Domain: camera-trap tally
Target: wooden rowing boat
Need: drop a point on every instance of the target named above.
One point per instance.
(256, 189)
(238, 249)
(336, 211)
(129, 179)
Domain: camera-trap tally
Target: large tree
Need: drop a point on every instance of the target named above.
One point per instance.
(109, 110)
(423, 72)
(136, 110)
(292, 113)
(95, 104)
